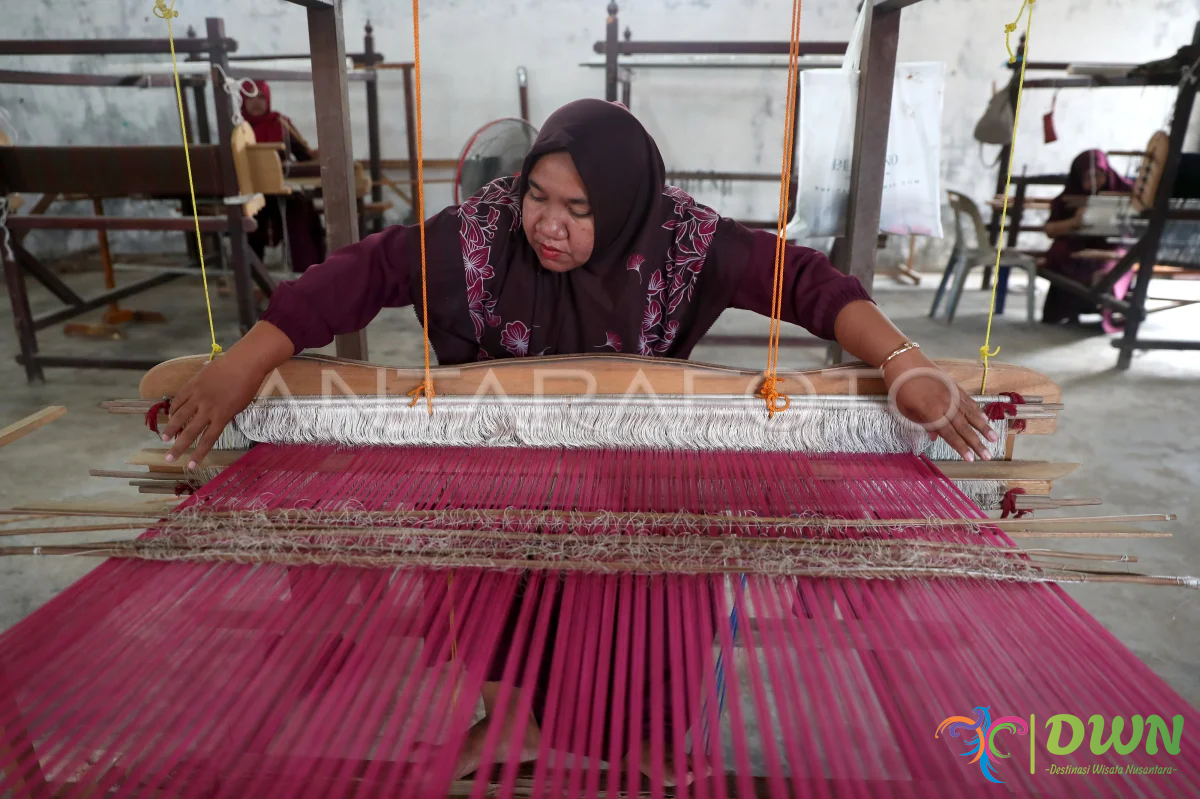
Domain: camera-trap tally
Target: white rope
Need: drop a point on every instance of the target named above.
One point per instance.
(236, 88)
(5, 235)
(10, 130)
(8, 126)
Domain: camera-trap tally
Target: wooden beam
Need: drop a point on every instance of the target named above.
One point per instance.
(85, 304)
(113, 171)
(616, 374)
(29, 78)
(318, 5)
(105, 46)
(877, 71)
(208, 224)
(1005, 470)
(719, 47)
(1148, 245)
(876, 80)
(894, 5)
(238, 246)
(155, 458)
(328, 46)
(290, 75)
(30, 423)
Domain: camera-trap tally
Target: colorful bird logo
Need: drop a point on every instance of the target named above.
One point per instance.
(982, 745)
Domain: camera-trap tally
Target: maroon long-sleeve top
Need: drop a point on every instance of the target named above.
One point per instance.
(343, 294)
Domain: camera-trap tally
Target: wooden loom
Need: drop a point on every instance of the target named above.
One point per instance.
(359, 676)
(374, 588)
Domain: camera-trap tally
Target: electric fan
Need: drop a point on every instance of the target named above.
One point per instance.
(496, 150)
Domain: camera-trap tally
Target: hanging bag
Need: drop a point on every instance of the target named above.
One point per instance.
(996, 124)
(1048, 131)
(912, 179)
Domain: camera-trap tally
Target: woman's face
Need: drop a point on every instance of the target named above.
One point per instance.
(255, 106)
(556, 215)
(1094, 180)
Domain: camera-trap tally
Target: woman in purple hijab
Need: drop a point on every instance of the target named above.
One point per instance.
(588, 251)
(1090, 174)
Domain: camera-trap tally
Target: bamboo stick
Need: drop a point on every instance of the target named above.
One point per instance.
(1027, 502)
(1020, 525)
(86, 528)
(200, 539)
(135, 475)
(15, 519)
(1124, 533)
(1054, 574)
(23, 427)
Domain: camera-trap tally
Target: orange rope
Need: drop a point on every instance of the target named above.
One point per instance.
(426, 386)
(769, 390)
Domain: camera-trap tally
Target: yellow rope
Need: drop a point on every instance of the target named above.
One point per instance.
(769, 390)
(426, 386)
(168, 12)
(986, 351)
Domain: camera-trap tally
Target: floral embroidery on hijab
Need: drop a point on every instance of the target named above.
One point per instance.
(479, 216)
(668, 289)
(611, 340)
(515, 338)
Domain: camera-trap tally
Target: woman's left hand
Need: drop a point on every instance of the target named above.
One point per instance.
(925, 394)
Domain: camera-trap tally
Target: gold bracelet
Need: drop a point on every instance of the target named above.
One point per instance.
(903, 348)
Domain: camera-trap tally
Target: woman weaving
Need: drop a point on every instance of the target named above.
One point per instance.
(587, 252)
(1090, 174)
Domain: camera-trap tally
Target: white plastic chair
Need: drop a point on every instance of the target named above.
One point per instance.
(964, 258)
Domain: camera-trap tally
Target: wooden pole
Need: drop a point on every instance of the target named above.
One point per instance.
(223, 106)
(877, 73)
(30, 423)
(373, 145)
(611, 45)
(330, 89)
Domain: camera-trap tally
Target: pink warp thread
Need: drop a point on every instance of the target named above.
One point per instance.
(200, 680)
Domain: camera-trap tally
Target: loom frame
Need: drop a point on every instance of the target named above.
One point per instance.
(614, 370)
(246, 267)
(366, 61)
(854, 254)
(330, 93)
(1142, 256)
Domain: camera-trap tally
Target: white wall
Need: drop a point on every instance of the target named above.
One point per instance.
(702, 119)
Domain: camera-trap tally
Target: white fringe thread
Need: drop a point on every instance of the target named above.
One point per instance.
(811, 424)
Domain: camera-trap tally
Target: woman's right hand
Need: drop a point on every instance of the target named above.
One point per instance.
(221, 390)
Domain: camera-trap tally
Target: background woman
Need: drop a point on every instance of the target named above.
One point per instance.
(305, 235)
(1090, 174)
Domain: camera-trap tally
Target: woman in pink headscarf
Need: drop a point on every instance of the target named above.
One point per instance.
(1090, 174)
(304, 233)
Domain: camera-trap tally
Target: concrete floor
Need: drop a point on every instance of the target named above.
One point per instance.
(1137, 434)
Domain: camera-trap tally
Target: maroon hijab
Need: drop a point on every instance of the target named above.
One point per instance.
(269, 125)
(663, 267)
(1105, 178)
